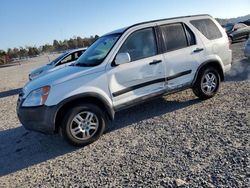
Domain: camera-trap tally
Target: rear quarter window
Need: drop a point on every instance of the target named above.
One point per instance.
(208, 28)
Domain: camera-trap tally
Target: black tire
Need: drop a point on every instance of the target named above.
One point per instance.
(199, 88)
(69, 121)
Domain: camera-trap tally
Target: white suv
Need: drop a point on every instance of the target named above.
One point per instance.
(124, 68)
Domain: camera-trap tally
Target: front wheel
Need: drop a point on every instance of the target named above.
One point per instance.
(83, 124)
(207, 83)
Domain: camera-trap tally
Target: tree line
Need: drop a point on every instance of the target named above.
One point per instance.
(57, 46)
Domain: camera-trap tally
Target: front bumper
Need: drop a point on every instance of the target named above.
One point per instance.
(41, 119)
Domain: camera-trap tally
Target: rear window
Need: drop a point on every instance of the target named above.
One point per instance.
(208, 28)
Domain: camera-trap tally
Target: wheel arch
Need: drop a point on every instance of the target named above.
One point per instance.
(92, 98)
(211, 63)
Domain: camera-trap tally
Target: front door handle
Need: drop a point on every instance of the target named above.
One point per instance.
(198, 50)
(155, 62)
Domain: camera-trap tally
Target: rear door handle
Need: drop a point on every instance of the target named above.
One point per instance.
(198, 50)
(155, 62)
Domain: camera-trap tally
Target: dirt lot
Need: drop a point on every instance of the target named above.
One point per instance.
(175, 140)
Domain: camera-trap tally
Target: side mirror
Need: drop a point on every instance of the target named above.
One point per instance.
(122, 58)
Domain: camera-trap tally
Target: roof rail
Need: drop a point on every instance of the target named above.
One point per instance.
(146, 22)
(165, 19)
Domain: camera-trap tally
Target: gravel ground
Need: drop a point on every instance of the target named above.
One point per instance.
(172, 141)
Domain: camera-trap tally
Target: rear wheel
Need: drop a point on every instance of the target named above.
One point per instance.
(207, 83)
(83, 124)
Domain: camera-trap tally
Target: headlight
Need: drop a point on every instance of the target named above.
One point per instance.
(37, 97)
(34, 75)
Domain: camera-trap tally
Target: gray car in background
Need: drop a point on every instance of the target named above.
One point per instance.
(247, 48)
(63, 60)
(237, 31)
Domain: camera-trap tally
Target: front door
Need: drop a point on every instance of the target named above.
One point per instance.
(145, 74)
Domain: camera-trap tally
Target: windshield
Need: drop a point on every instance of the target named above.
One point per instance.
(58, 58)
(98, 51)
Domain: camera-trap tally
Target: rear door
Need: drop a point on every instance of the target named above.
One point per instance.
(145, 74)
(181, 54)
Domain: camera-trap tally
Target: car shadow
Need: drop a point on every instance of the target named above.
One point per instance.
(240, 71)
(148, 110)
(20, 148)
(10, 92)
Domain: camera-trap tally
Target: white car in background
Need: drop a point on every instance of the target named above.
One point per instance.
(247, 48)
(63, 60)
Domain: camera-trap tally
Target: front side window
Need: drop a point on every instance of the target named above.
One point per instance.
(175, 37)
(140, 44)
(55, 61)
(67, 59)
(208, 28)
(98, 51)
(72, 57)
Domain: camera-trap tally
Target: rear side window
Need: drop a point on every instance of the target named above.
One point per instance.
(175, 36)
(208, 28)
(140, 44)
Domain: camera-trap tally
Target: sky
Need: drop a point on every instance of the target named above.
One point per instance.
(37, 22)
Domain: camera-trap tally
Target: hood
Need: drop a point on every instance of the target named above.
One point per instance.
(41, 69)
(59, 76)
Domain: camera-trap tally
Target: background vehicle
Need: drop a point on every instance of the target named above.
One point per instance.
(63, 60)
(247, 22)
(247, 48)
(124, 68)
(237, 31)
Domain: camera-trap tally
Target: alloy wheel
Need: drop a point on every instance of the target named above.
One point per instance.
(84, 125)
(209, 83)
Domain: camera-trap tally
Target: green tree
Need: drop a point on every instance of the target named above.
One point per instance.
(32, 51)
(23, 52)
(72, 43)
(47, 48)
(79, 42)
(56, 45)
(11, 53)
